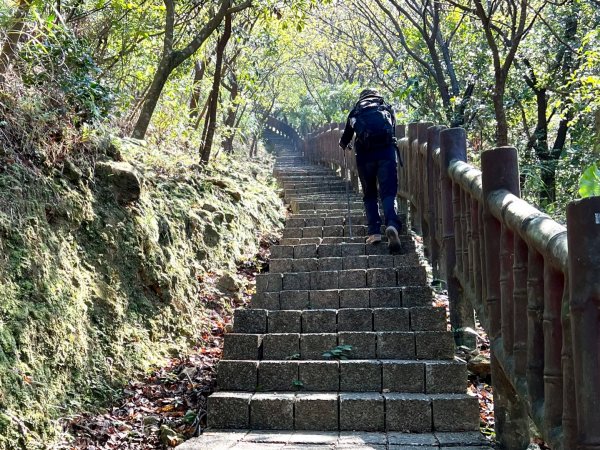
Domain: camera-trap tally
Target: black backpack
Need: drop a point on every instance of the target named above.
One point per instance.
(374, 124)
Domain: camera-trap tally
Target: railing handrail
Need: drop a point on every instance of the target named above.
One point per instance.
(511, 263)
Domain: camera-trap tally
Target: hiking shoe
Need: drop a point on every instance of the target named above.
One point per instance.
(374, 239)
(394, 243)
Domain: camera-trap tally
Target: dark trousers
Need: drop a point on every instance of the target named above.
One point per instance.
(382, 171)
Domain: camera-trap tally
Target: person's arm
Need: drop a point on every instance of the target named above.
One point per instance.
(348, 133)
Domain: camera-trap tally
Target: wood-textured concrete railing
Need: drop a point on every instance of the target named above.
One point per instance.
(534, 284)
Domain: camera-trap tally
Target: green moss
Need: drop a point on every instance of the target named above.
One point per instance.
(93, 293)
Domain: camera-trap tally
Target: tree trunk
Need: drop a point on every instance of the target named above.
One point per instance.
(199, 70)
(211, 124)
(9, 49)
(500, 111)
(158, 83)
(230, 118)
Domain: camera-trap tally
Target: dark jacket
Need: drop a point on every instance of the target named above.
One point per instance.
(361, 154)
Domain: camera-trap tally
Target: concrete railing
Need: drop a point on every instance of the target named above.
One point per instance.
(534, 284)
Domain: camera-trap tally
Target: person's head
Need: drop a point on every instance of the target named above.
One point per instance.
(369, 92)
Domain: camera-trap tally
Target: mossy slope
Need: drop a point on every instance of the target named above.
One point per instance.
(92, 292)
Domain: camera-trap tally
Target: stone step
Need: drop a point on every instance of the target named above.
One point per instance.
(331, 411)
(324, 249)
(376, 249)
(389, 297)
(301, 221)
(406, 376)
(426, 318)
(325, 231)
(365, 345)
(323, 206)
(281, 265)
(341, 279)
(334, 440)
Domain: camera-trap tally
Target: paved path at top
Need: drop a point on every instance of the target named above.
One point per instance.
(342, 347)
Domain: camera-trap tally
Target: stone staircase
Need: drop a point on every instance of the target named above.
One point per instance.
(394, 382)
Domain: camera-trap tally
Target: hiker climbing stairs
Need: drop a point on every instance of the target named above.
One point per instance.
(341, 337)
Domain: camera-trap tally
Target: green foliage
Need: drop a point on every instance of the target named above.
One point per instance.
(94, 293)
(341, 352)
(589, 183)
(59, 58)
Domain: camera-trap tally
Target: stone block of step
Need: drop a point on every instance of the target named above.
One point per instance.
(237, 375)
(265, 300)
(242, 346)
(319, 375)
(330, 221)
(352, 279)
(413, 296)
(312, 346)
(434, 345)
(284, 321)
(350, 249)
(324, 299)
(312, 232)
(292, 232)
(305, 265)
(333, 231)
(305, 251)
(296, 281)
(428, 319)
(363, 344)
(360, 376)
(269, 282)
(377, 249)
(355, 230)
(423, 441)
(381, 261)
(362, 411)
(329, 264)
(282, 251)
(412, 275)
(281, 265)
(329, 251)
(467, 438)
(395, 345)
(316, 411)
(455, 412)
(324, 280)
(281, 346)
(445, 377)
(354, 298)
(355, 262)
(319, 321)
(408, 412)
(406, 260)
(277, 375)
(385, 298)
(293, 299)
(250, 321)
(391, 319)
(355, 319)
(313, 222)
(295, 222)
(229, 410)
(403, 376)
(272, 411)
(381, 277)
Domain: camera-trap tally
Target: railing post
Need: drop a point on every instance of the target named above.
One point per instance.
(433, 142)
(583, 229)
(500, 171)
(453, 146)
(411, 172)
(402, 202)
